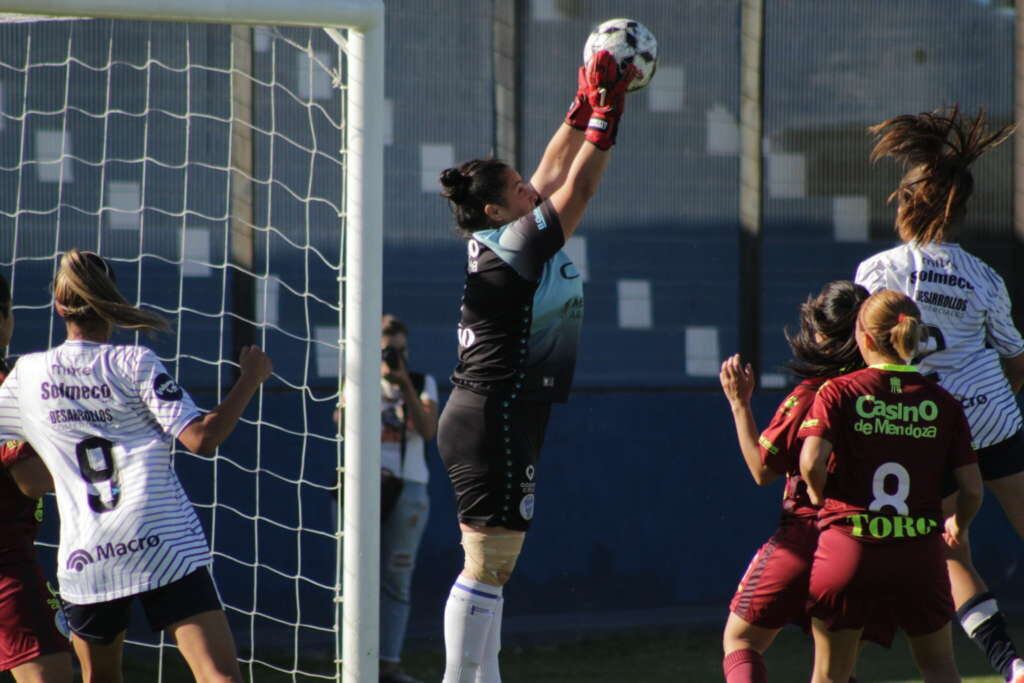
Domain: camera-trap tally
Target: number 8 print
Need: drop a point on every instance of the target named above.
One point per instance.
(897, 500)
(96, 465)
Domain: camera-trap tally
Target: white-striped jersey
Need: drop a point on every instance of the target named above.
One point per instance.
(966, 307)
(103, 418)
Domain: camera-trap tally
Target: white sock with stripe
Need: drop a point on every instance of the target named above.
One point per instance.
(468, 616)
(489, 670)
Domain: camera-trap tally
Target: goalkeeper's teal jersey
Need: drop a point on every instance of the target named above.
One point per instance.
(522, 309)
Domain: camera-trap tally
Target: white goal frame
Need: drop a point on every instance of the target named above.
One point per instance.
(358, 587)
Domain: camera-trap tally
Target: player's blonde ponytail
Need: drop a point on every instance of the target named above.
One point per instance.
(894, 322)
(85, 290)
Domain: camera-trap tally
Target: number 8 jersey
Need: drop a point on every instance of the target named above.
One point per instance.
(104, 418)
(966, 307)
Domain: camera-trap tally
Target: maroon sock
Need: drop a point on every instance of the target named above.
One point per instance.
(744, 666)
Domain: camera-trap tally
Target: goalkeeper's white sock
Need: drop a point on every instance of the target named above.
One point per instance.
(489, 671)
(468, 616)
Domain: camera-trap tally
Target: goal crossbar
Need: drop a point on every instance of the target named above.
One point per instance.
(359, 583)
(361, 15)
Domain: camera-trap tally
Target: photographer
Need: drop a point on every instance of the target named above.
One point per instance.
(408, 419)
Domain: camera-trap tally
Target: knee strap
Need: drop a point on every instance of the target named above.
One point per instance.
(490, 558)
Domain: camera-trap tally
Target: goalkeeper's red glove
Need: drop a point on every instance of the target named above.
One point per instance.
(579, 111)
(606, 92)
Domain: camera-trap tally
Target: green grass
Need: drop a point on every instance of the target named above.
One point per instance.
(690, 656)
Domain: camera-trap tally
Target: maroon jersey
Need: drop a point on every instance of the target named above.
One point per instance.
(895, 435)
(780, 448)
(18, 514)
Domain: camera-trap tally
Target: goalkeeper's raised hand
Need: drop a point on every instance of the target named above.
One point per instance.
(606, 94)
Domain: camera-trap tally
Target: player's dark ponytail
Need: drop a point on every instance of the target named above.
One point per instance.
(936, 150)
(824, 346)
(472, 186)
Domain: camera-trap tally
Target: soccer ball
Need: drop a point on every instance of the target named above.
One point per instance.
(630, 42)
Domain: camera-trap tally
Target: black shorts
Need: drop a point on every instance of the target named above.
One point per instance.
(490, 445)
(101, 622)
(995, 462)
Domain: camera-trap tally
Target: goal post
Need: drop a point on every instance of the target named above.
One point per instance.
(359, 303)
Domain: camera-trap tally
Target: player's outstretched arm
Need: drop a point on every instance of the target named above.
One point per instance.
(565, 143)
(738, 385)
(606, 92)
(813, 461)
(203, 436)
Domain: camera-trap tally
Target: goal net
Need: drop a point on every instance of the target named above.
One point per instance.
(207, 162)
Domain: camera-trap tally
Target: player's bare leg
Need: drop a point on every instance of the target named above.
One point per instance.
(51, 668)
(976, 608)
(100, 662)
(744, 644)
(835, 653)
(208, 647)
(933, 654)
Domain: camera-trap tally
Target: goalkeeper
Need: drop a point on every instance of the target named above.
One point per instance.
(522, 308)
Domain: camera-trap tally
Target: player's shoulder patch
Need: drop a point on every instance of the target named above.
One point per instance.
(792, 401)
(166, 389)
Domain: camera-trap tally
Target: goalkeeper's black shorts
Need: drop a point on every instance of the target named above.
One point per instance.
(490, 445)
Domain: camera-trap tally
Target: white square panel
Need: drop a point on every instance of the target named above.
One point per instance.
(787, 176)
(851, 218)
(667, 90)
(327, 353)
(547, 10)
(635, 304)
(703, 358)
(723, 132)
(434, 159)
(317, 85)
(576, 249)
(261, 38)
(268, 297)
(122, 204)
(49, 154)
(196, 261)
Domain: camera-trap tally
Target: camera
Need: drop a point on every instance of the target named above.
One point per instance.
(392, 357)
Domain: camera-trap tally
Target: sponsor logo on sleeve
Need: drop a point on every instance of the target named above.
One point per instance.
(538, 217)
(166, 389)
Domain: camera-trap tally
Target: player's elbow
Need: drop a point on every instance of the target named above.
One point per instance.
(763, 476)
(199, 438)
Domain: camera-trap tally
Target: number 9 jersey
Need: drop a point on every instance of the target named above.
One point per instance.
(103, 418)
(966, 307)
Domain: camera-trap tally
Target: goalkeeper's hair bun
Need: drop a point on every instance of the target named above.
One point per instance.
(455, 184)
(470, 187)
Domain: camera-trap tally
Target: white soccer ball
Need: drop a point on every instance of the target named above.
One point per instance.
(630, 42)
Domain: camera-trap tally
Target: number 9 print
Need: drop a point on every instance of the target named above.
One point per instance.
(96, 467)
